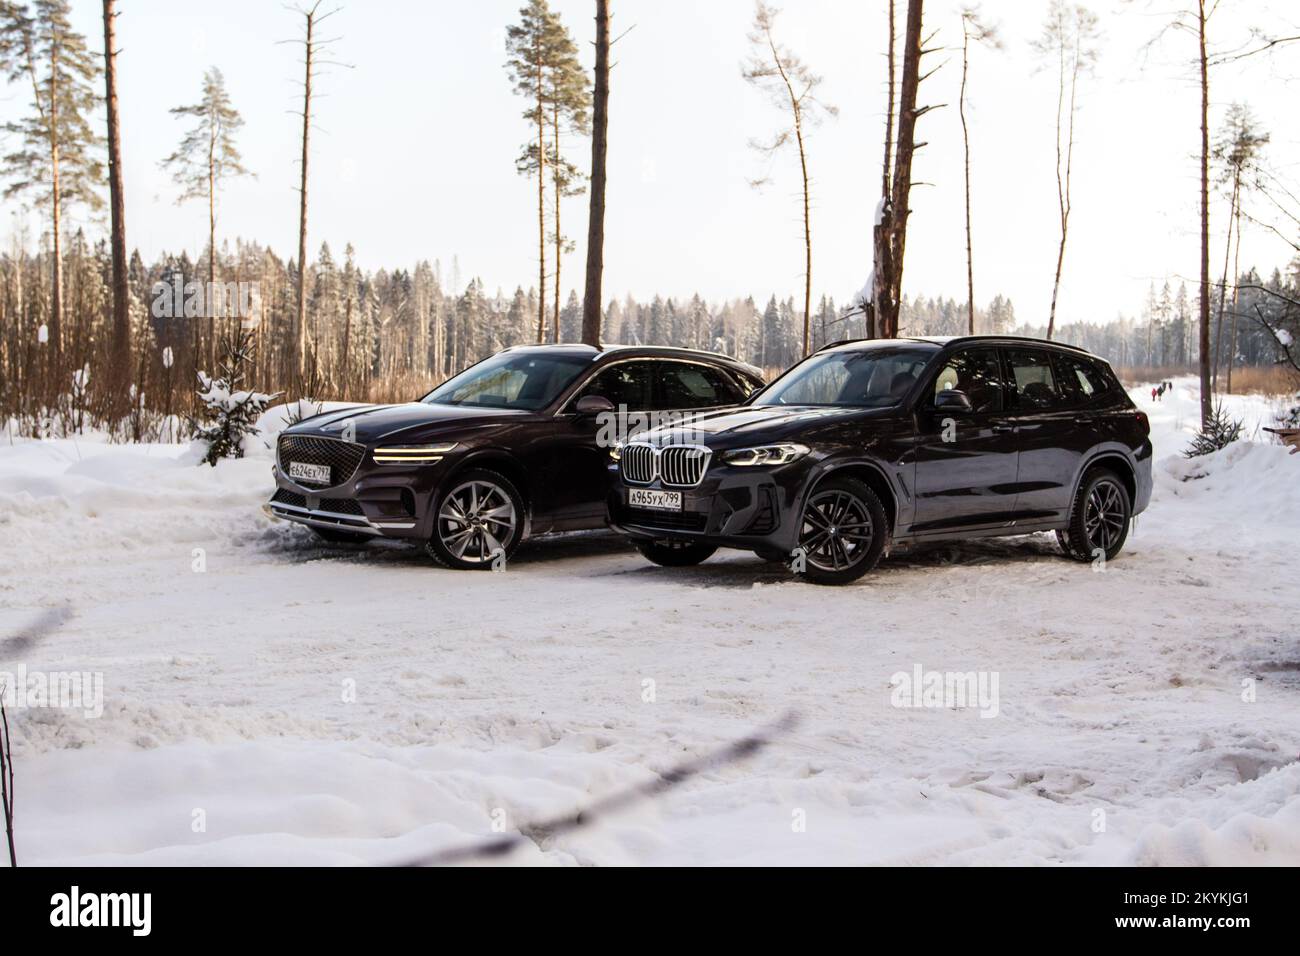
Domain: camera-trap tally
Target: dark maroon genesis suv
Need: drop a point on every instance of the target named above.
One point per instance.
(510, 447)
(868, 443)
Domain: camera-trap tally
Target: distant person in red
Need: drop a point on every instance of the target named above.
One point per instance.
(1154, 393)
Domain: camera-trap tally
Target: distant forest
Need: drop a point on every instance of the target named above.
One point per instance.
(391, 334)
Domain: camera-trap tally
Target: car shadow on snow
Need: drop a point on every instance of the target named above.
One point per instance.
(739, 569)
(727, 568)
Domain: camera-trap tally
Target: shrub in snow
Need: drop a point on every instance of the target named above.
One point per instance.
(1219, 432)
(233, 411)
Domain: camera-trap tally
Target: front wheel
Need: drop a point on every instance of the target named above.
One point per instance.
(675, 554)
(478, 521)
(843, 532)
(1099, 518)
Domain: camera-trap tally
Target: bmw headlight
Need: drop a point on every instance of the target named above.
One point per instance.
(781, 454)
(616, 452)
(412, 454)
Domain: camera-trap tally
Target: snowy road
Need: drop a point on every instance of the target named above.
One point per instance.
(268, 699)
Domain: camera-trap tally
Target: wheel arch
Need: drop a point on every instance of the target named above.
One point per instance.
(870, 474)
(501, 462)
(1117, 462)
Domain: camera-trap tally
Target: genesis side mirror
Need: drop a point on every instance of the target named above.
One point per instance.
(952, 400)
(593, 405)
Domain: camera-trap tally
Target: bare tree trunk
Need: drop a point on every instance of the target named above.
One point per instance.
(881, 267)
(807, 233)
(896, 228)
(541, 212)
(56, 215)
(121, 344)
(1207, 404)
(1063, 175)
(965, 141)
(345, 370)
(559, 238)
(1223, 286)
(310, 16)
(210, 297)
(591, 314)
(1236, 289)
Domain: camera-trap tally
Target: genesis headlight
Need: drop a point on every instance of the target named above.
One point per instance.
(781, 454)
(412, 454)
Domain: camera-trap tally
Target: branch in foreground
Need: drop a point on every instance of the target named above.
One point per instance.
(620, 800)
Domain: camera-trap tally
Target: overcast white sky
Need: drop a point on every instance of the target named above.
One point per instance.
(415, 155)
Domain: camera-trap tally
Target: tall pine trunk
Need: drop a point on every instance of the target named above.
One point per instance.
(121, 343)
(896, 229)
(56, 215)
(1223, 285)
(1207, 403)
(880, 262)
(211, 297)
(541, 210)
(965, 142)
(807, 233)
(591, 314)
(559, 238)
(302, 203)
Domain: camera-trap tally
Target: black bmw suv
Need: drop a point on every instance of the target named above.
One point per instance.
(870, 442)
(513, 446)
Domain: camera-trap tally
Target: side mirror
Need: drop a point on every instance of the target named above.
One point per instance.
(593, 405)
(952, 400)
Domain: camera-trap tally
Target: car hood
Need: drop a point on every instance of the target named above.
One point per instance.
(737, 427)
(409, 421)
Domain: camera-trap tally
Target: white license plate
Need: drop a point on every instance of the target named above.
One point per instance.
(302, 471)
(655, 500)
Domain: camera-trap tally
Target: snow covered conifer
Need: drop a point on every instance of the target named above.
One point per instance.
(233, 410)
(1219, 432)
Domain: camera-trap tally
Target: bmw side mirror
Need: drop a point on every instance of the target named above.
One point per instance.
(593, 405)
(952, 400)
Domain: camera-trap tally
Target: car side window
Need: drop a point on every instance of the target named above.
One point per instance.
(975, 372)
(1081, 380)
(628, 384)
(686, 385)
(1033, 384)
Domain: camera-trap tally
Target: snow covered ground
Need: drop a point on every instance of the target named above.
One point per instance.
(268, 699)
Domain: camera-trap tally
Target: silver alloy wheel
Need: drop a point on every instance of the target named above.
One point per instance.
(477, 521)
(1104, 515)
(837, 531)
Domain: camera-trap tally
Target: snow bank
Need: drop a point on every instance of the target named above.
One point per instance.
(228, 645)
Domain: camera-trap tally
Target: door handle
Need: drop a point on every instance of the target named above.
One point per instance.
(1082, 420)
(1004, 429)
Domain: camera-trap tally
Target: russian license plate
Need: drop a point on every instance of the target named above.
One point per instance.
(302, 471)
(655, 500)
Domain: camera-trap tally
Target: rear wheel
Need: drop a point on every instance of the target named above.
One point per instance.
(675, 554)
(478, 521)
(1099, 517)
(843, 532)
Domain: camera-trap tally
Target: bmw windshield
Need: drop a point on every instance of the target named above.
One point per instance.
(870, 378)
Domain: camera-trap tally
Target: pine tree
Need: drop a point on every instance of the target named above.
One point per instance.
(57, 158)
(543, 64)
(233, 409)
(1215, 435)
(205, 158)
